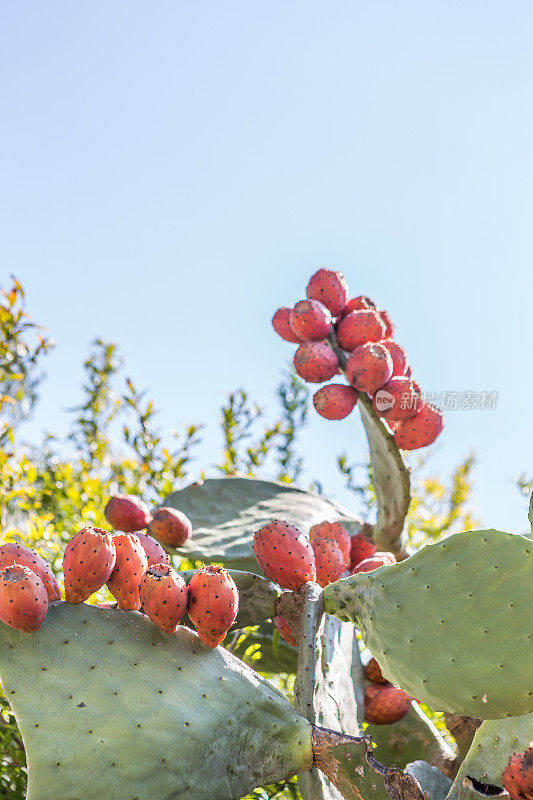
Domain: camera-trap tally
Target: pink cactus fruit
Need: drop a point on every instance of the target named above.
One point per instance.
(361, 547)
(23, 598)
(398, 399)
(88, 562)
(385, 705)
(369, 367)
(329, 561)
(336, 531)
(315, 362)
(12, 553)
(373, 673)
(284, 554)
(379, 559)
(171, 526)
(127, 513)
(517, 777)
(285, 630)
(421, 430)
(398, 355)
(389, 327)
(213, 603)
(358, 304)
(130, 566)
(311, 321)
(360, 327)
(281, 322)
(154, 552)
(164, 596)
(335, 401)
(330, 288)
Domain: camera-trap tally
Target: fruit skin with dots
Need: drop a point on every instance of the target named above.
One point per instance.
(360, 327)
(358, 304)
(336, 531)
(311, 320)
(130, 566)
(23, 598)
(420, 430)
(330, 288)
(88, 562)
(369, 367)
(154, 552)
(389, 327)
(315, 362)
(398, 355)
(398, 399)
(335, 401)
(517, 778)
(171, 526)
(329, 561)
(13, 553)
(373, 673)
(285, 630)
(385, 705)
(361, 547)
(213, 603)
(379, 559)
(127, 513)
(164, 596)
(284, 554)
(281, 322)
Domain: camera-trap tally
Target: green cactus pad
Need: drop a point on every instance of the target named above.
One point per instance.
(453, 624)
(109, 706)
(430, 779)
(226, 512)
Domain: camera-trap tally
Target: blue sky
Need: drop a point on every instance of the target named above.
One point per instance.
(174, 171)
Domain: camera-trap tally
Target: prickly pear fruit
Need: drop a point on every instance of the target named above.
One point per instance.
(127, 513)
(12, 553)
(360, 327)
(310, 320)
(420, 430)
(385, 704)
(389, 327)
(315, 362)
(171, 526)
(330, 288)
(361, 547)
(130, 566)
(88, 562)
(154, 552)
(335, 401)
(373, 672)
(379, 559)
(213, 603)
(369, 367)
(285, 630)
(517, 777)
(23, 598)
(398, 399)
(281, 322)
(164, 596)
(358, 304)
(329, 561)
(284, 554)
(333, 530)
(398, 355)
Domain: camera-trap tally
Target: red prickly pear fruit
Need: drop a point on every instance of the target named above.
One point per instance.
(88, 562)
(373, 673)
(360, 327)
(517, 776)
(330, 288)
(311, 321)
(281, 322)
(284, 554)
(154, 552)
(379, 559)
(329, 561)
(213, 603)
(315, 362)
(399, 399)
(336, 531)
(164, 596)
(398, 355)
(12, 553)
(385, 704)
(358, 304)
(171, 526)
(130, 566)
(369, 367)
(361, 547)
(389, 327)
(285, 630)
(335, 401)
(127, 513)
(23, 598)
(420, 430)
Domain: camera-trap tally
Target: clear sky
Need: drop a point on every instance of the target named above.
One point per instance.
(174, 171)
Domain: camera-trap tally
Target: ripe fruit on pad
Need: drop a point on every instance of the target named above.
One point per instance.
(281, 322)
(154, 552)
(329, 561)
(130, 566)
(23, 598)
(12, 553)
(385, 704)
(379, 559)
(127, 513)
(213, 603)
(164, 596)
(373, 672)
(398, 355)
(88, 562)
(398, 399)
(284, 554)
(420, 430)
(358, 304)
(361, 547)
(170, 526)
(332, 530)
(517, 777)
(335, 401)
(315, 362)
(389, 327)
(360, 327)
(310, 320)
(330, 288)
(284, 630)
(369, 367)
